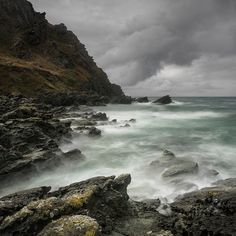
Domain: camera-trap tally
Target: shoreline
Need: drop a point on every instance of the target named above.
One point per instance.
(147, 217)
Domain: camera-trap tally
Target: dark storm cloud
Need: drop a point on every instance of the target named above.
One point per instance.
(134, 40)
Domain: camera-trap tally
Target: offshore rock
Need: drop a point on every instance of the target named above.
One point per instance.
(164, 100)
(141, 100)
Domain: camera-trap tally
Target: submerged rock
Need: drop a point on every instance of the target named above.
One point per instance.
(186, 167)
(164, 100)
(74, 154)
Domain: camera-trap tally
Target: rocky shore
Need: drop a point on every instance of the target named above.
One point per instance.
(31, 131)
(101, 206)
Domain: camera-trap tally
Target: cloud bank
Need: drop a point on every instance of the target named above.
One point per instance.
(153, 47)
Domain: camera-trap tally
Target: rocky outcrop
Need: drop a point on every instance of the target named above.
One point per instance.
(78, 209)
(141, 100)
(164, 100)
(37, 57)
(210, 211)
(31, 132)
(101, 206)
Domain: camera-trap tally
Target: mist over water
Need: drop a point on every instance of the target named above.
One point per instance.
(198, 129)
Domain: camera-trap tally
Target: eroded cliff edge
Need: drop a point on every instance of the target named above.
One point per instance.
(38, 57)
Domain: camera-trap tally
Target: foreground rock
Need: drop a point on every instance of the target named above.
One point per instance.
(210, 211)
(101, 206)
(79, 208)
(164, 100)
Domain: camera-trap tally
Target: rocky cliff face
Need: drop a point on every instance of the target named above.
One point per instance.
(37, 57)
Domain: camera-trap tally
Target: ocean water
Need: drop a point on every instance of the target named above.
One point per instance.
(202, 130)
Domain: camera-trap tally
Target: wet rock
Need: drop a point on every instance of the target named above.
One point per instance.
(231, 182)
(168, 155)
(29, 135)
(94, 132)
(132, 120)
(125, 126)
(141, 100)
(164, 100)
(213, 172)
(74, 154)
(13, 202)
(187, 167)
(78, 225)
(121, 100)
(82, 123)
(101, 198)
(99, 116)
(210, 211)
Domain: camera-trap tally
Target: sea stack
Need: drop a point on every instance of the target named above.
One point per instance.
(164, 100)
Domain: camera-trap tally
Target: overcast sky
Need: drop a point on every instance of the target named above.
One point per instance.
(156, 47)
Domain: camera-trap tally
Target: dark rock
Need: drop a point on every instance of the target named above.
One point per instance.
(99, 116)
(164, 100)
(121, 100)
(227, 183)
(186, 167)
(74, 154)
(29, 136)
(101, 206)
(94, 131)
(103, 199)
(132, 120)
(213, 172)
(210, 211)
(141, 99)
(14, 202)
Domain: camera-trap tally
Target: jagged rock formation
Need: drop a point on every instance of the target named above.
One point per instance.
(101, 206)
(37, 57)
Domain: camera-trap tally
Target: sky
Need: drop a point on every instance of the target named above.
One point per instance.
(156, 47)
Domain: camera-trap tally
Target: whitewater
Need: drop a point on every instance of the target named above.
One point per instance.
(202, 130)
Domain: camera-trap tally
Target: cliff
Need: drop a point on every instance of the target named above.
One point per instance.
(37, 57)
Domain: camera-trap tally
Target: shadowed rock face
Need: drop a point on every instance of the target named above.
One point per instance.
(37, 57)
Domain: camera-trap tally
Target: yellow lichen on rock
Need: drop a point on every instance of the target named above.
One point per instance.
(77, 225)
(77, 200)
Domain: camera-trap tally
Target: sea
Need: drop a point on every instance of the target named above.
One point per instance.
(199, 129)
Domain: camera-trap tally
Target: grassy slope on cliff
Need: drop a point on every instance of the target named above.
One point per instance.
(37, 57)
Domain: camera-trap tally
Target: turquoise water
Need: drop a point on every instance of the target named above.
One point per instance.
(198, 129)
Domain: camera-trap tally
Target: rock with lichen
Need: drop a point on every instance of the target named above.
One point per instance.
(76, 225)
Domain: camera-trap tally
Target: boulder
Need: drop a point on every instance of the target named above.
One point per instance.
(77, 225)
(164, 100)
(94, 132)
(121, 100)
(102, 199)
(209, 211)
(186, 167)
(99, 116)
(141, 100)
(74, 154)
